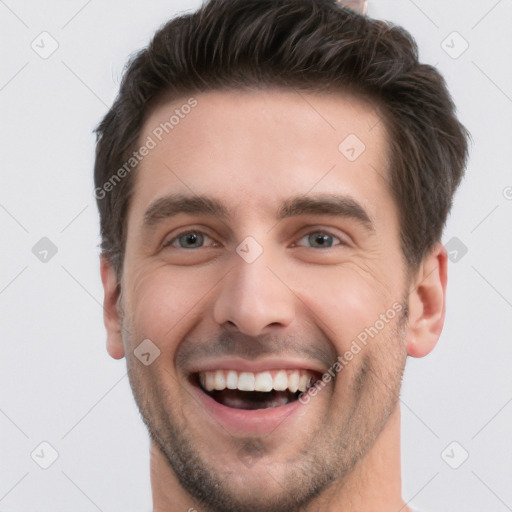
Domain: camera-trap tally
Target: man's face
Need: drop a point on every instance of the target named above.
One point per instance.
(305, 256)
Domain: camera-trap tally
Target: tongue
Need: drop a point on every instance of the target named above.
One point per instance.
(252, 399)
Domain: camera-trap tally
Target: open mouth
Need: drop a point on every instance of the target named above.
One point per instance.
(250, 391)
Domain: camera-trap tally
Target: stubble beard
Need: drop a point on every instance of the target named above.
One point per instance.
(322, 462)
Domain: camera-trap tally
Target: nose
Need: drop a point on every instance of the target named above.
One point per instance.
(254, 297)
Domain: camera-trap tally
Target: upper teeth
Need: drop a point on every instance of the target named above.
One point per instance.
(280, 380)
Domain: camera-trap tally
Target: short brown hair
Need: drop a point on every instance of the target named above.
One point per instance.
(307, 45)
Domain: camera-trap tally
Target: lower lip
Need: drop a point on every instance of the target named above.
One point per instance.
(246, 421)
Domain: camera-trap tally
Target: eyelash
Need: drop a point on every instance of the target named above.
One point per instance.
(194, 231)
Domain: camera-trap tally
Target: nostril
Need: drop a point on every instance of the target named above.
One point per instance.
(230, 327)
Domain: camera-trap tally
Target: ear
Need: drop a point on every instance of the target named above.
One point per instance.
(427, 303)
(111, 316)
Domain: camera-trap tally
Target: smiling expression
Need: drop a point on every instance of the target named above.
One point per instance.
(256, 253)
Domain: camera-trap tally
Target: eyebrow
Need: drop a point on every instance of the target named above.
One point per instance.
(323, 204)
(172, 205)
(326, 204)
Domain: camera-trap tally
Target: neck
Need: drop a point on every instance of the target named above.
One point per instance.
(374, 485)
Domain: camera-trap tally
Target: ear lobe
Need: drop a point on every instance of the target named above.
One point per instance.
(427, 303)
(111, 317)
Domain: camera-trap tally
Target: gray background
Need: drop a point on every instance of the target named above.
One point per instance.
(57, 383)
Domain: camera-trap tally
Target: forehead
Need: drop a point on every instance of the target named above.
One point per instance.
(253, 149)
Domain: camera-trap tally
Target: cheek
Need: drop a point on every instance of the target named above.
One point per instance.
(345, 302)
(163, 303)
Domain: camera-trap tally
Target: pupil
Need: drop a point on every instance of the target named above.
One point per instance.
(321, 239)
(190, 239)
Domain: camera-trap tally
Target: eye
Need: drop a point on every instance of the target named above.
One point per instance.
(320, 240)
(191, 239)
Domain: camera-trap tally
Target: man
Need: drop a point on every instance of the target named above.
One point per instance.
(273, 181)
